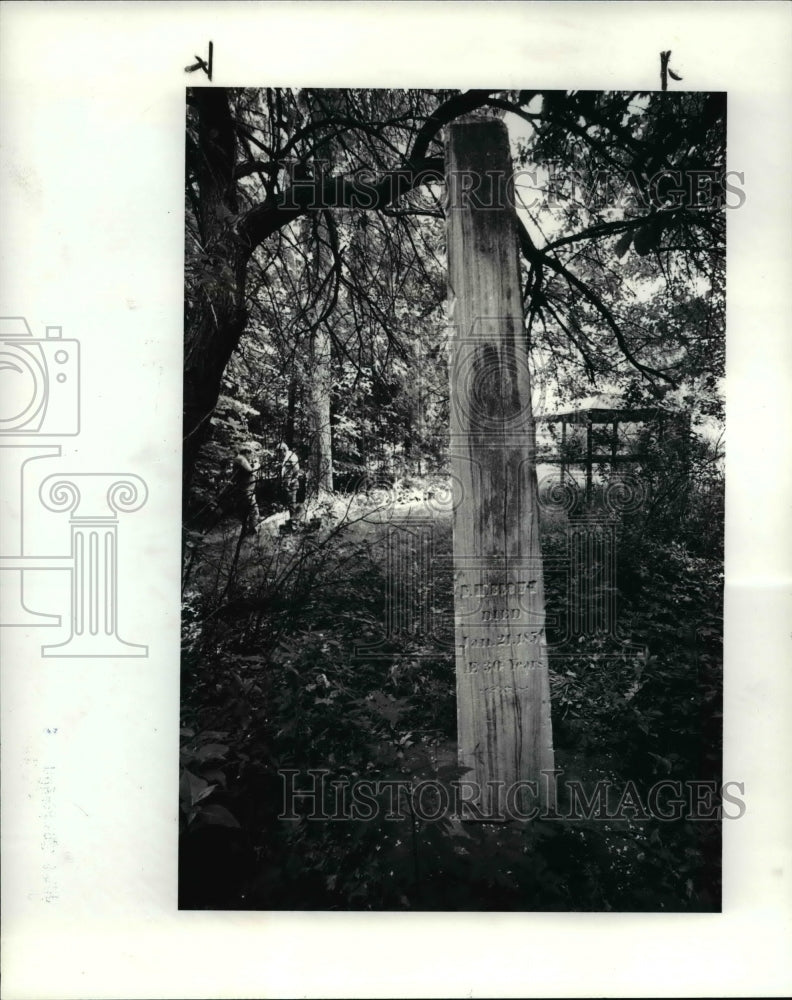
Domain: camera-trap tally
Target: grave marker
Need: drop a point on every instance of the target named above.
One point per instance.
(503, 693)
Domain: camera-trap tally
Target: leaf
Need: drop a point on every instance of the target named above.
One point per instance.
(623, 244)
(195, 789)
(387, 706)
(217, 815)
(217, 776)
(203, 794)
(211, 751)
(185, 796)
(664, 761)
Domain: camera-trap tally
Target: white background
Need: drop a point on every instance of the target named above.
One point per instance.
(92, 113)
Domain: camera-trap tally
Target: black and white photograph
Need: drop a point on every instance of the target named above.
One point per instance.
(454, 499)
(395, 555)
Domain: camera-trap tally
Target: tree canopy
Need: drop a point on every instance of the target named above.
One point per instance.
(315, 223)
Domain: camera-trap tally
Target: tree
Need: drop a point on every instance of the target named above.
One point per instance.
(629, 290)
(258, 161)
(320, 470)
(237, 200)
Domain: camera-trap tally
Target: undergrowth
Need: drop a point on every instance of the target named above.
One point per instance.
(285, 671)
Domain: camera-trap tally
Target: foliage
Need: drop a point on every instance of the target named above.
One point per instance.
(631, 275)
(282, 672)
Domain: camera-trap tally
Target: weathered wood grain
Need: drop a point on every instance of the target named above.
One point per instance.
(503, 697)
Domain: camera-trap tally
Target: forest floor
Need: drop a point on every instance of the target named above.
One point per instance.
(332, 647)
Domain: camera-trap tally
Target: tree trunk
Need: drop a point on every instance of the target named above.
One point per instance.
(320, 376)
(210, 338)
(503, 695)
(320, 469)
(291, 412)
(218, 316)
